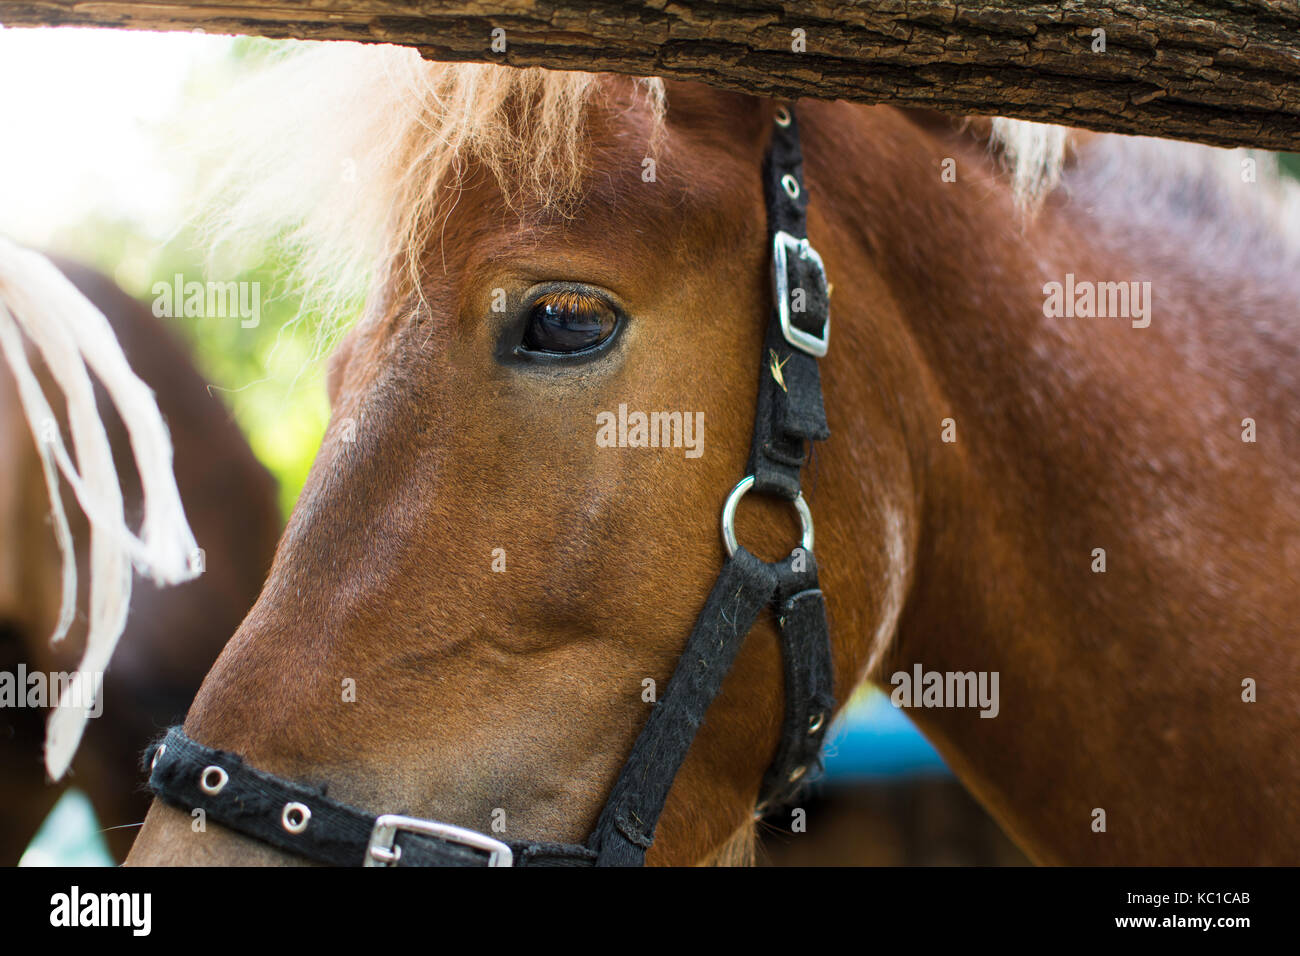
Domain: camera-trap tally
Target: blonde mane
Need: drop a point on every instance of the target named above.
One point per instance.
(1035, 155)
(341, 151)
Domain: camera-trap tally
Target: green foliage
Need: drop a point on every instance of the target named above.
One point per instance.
(270, 375)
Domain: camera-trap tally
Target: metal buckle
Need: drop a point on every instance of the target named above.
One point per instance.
(380, 851)
(783, 244)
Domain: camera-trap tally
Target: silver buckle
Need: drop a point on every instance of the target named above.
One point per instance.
(783, 244)
(380, 851)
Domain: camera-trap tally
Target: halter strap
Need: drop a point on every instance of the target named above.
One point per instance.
(790, 414)
(302, 820)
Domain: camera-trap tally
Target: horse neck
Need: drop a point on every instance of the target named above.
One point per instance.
(1070, 435)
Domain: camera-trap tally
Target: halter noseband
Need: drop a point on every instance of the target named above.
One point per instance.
(790, 415)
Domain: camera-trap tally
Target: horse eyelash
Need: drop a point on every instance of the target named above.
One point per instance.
(571, 300)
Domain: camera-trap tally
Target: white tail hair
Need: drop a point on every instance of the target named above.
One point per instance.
(73, 338)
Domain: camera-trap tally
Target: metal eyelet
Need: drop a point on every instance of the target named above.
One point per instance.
(213, 780)
(815, 724)
(782, 117)
(295, 817)
(790, 185)
(156, 754)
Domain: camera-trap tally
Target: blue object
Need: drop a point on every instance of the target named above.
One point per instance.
(874, 740)
(69, 836)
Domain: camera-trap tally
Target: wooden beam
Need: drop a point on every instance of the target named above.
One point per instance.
(1225, 72)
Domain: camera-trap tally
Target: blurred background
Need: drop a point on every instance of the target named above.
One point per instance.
(98, 167)
(95, 165)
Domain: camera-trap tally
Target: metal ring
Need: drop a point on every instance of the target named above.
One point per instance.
(782, 116)
(292, 825)
(790, 185)
(729, 517)
(219, 777)
(162, 748)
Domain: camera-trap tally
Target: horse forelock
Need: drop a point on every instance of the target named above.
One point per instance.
(349, 154)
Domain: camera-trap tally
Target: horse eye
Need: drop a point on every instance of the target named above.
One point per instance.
(569, 320)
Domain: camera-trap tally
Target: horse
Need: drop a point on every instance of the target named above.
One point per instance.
(484, 581)
(173, 635)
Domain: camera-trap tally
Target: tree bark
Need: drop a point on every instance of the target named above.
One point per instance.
(1225, 72)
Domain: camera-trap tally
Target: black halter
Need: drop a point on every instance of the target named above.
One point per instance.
(790, 415)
